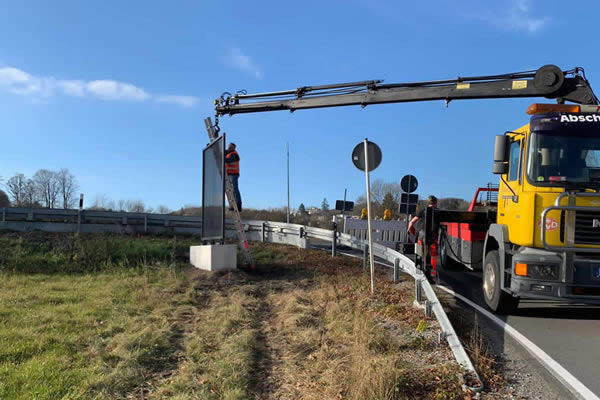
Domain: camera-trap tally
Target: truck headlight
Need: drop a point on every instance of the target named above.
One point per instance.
(543, 272)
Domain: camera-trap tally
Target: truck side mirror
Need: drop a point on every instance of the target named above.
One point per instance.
(501, 155)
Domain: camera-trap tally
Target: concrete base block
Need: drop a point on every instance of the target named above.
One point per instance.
(219, 257)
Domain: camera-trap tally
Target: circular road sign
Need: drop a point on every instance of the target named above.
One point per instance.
(358, 155)
(409, 183)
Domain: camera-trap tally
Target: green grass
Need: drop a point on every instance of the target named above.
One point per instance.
(88, 316)
(96, 335)
(39, 252)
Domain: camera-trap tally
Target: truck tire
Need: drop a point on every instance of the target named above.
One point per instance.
(447, 263)
(496, 299)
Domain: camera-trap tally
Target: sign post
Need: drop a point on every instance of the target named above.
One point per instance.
(408, 201)
(366, 156)
(79, 213)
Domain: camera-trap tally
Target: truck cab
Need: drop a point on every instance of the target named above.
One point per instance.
(546, 240)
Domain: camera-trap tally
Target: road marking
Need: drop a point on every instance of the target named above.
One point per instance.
(568, 380)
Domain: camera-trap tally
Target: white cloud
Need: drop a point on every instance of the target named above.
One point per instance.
(16, 81)
(13, 75)
(518, 16)
(184, 101)
(114, 90)
(21, 83)
(238, 60)
(72, 88)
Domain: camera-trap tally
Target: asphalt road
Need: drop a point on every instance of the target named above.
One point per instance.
(568, 333)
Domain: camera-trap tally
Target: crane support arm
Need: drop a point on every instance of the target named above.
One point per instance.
(549, 81)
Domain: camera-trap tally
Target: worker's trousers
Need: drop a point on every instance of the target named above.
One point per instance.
(236, 190)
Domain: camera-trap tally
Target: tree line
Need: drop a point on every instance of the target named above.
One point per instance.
(102, 203)
(59, 189)
(386, 195)
(49, 189)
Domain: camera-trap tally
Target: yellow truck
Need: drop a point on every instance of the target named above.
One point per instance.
(546, 240)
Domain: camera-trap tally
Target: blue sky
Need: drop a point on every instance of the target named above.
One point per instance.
(117, 91)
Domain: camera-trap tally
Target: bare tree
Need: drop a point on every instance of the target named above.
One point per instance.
(16, 189)
(102, 203)
(30, 194)
(46, 184)
(122, 205)
(68, 186)
(135, 206)
(379, 189)
(162, 209)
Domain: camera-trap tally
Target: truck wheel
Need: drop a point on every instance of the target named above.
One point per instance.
(496, 298)
(446, 262)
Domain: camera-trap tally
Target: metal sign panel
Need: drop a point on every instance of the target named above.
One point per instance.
(409, 183)
(213, 190)
(339, 205)
(409, 198)
(358, 156)
(408, 209)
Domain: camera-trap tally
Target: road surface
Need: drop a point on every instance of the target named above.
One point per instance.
(567, 333)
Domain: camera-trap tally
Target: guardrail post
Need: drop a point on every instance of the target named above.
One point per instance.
(30, 216)
(124, 220)
(79, 220)
(145, 223)
(396, 269)
(263, 229)
(441, 337)
(301, 232)
(365, 256)
(334, 241)
(3, 216)
(428, 309)
(418, 291)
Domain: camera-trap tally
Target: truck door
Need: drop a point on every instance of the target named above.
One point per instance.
(509, 210)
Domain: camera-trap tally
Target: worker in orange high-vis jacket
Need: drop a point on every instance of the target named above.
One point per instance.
(232, 167)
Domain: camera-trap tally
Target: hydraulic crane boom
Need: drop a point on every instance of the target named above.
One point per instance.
(549, 81)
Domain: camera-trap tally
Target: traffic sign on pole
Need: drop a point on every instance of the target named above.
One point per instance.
(409, 183)
(366, 156)
(408, 201)
(359, 155)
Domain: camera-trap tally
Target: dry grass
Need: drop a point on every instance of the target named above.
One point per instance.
(301, 326)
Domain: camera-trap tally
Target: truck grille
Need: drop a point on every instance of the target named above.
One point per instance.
(586, 228)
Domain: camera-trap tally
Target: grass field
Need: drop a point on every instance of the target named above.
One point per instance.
(126, 318)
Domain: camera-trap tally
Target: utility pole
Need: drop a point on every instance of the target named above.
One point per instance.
(344, 210)
(287, 148)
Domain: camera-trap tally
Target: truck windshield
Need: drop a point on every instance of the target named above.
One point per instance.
(564, 159)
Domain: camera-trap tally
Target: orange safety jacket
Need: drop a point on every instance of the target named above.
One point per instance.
(232, 163)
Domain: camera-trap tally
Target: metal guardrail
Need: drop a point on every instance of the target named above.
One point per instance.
(54, 220)
(389, 233)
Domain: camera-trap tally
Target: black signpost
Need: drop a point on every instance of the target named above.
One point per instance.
(359, 155)
(409, 183)
(408, 201)
(342, 205)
